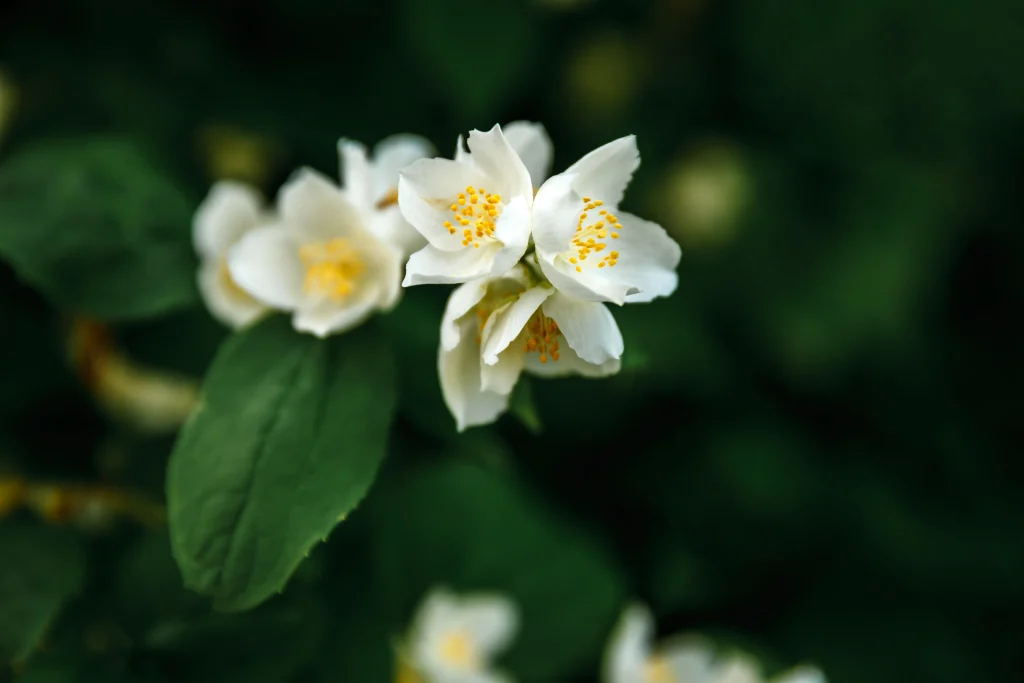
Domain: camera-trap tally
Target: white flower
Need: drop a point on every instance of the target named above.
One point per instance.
(587, 247)
(631, 657)
(454, 638)
(230, 211)
(372, 185)
(474, 211)
(494, 328)
(322, 261)
(530, 141)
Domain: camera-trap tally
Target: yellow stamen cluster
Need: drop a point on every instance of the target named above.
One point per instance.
(457, 650)
(657, 670)
(590, 239)
(543, 337)
(332, 267)
(476, 213)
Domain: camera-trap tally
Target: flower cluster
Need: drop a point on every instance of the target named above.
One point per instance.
(536, 258)
(454, 639)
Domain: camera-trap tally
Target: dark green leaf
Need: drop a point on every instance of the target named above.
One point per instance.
(285, 443)
(95, 227)
(41, 568)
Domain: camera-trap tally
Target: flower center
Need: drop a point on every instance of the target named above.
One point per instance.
(332, 268)
(457, 650)
(590, 237)
(657, 670)
(542, 336)
(474, 215)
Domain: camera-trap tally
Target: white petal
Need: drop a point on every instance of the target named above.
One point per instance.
(690, 658)
(569, 364)
(459, 372)
(228, 211)
(433, 266)
(356, 175)
(426, 190)
(604, 173)
(491, 620)
(802, 674)
(391, 155)
(265, 263)
(648, 260)
(505, 324)
(589, 328)
(224, 299)
(317, 210)
(326, 316)
(738, 669)
(513, 231)
(501, 376)
(384, 268)
(555, 210)
(532, 144)
(493, 155)
(589, 285)
(629, 646)
(461, 301)
(461, 153)
(390, 227)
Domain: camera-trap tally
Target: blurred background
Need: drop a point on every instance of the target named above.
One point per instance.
(813, 449)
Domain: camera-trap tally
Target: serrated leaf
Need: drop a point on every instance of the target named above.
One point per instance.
(286, 441)
(96, 228)
(471, 529)
(41, 568)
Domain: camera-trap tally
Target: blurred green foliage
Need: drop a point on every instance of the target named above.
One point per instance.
(812, 451)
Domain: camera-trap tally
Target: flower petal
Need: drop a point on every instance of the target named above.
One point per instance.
(649, 259)
(265, 263)
(433, 266)
(491, 619)
(356, 175)
(389, 226)
(588, 328)
(629, 646)
(317, 210)
(324, 316)
(493, 155)
(555, 209)
(426, 188)
(587, 285)
(532, 144)
(459, 373)
(226, 301)
(513, 231)
(391, 155)
(570, 364)
(460, 302)
(461, 153)
(501, 377)
(228, 211)
(737, 669)
(507, 323)
(605, 172)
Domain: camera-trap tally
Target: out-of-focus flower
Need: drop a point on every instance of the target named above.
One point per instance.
(495, 328)
(88, 507)
(8, 100)
(453, 638)
(632, 657)
(705, 194)
(321, 261)
(474, 212)
(234, 154)
(371, 182)
(230, 211)
(149, 400)
(587, 247)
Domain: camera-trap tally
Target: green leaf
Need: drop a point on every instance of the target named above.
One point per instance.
(470, 529)
(95, 227)
(286, 441)
(41, 569)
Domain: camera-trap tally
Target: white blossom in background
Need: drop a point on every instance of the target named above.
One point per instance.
(590, 249)
(229, 212)
(322, 261)
(474, 211)
(633, 657)
(494, 328)
(454, 638)
(371, 182)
